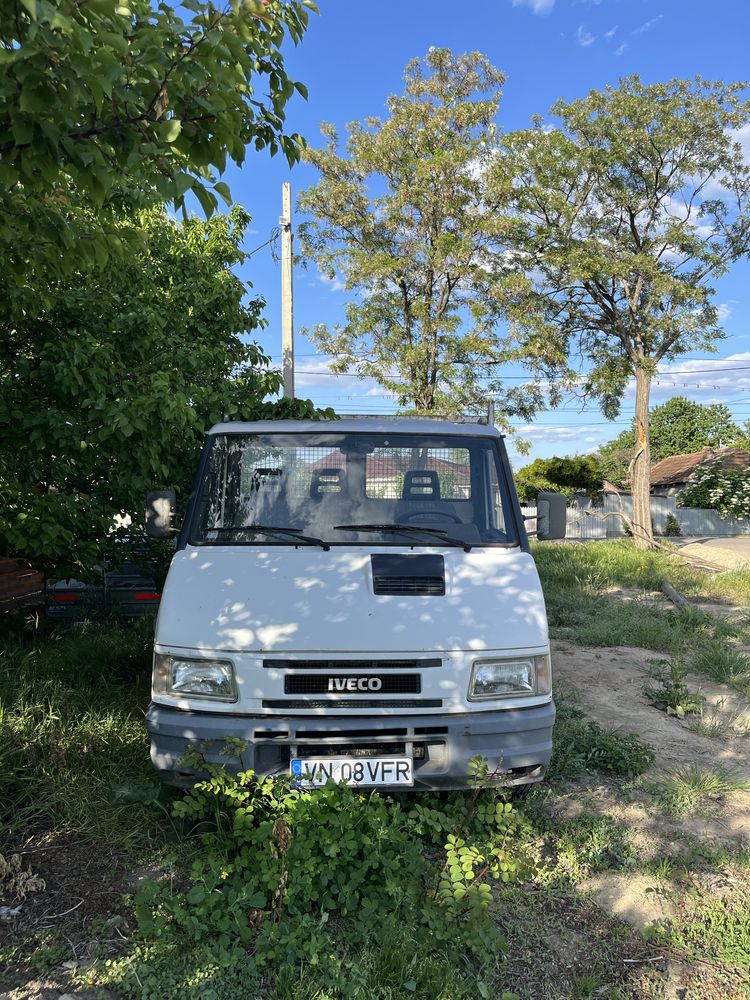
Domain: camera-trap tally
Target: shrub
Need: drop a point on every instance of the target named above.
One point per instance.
(672, 527)
(714, 488)
(286, 878)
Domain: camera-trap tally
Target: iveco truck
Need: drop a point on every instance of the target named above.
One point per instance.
(354, 600)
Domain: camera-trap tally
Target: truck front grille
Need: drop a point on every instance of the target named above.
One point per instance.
(336, 684)
(328, 665)
(355, 703)
(361, 750)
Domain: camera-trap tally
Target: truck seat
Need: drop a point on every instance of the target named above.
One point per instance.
(421, 502)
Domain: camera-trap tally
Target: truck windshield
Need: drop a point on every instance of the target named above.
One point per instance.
(355, 488)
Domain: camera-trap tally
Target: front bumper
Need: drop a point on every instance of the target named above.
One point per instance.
(516, 742)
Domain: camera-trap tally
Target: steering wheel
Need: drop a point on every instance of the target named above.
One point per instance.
(432, 515)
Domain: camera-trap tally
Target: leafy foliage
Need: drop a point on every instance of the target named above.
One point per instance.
(623, 214)
(120, 104)
(677, 427)
(283, 875)
(581, 745)
(716, 488)
(404, 216)
(672, 526)
(108, 391)
(579, 474)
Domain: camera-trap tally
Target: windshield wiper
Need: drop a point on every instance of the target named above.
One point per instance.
(406, 529)
(269, 529)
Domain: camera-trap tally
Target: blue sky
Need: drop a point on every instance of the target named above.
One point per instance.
(353, 57)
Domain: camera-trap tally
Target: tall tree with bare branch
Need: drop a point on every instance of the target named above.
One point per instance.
(623, 215)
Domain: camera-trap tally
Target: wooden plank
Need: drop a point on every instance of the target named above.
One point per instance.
(21, 585)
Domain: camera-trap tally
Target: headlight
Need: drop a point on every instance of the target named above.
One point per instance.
(178, 677)
(527, 675)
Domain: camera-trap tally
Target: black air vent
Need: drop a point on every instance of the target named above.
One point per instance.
(417, 575)
(337, 666)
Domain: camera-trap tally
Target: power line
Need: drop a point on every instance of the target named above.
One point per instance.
(508, 378)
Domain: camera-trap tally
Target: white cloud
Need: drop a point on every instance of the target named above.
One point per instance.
(584, 36)
(610, 34)
(647, 25)
(707, 381)
(334, 284)
(742, 136)
(536, 6)
(549, 432)
(621, 49)
(724, 310)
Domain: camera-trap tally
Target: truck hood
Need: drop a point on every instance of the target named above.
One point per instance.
(281, 599)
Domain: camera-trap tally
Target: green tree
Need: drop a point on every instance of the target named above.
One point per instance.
(742, 437)
(119, 104)
(108, 391)
(622, 217)
(403, 217)
(570, 475)
(677, 427)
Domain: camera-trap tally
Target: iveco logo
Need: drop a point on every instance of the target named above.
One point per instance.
(354, 683)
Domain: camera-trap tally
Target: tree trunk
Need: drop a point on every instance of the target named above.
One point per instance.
(640, 466)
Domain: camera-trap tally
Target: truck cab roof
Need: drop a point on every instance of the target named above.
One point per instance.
(352, 425)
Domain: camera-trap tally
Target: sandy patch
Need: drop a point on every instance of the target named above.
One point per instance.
(608, 685)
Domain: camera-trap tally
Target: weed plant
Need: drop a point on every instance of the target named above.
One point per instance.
(580, 745)
(285, 879)
(668, 691)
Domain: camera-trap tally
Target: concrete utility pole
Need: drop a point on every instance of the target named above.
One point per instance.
(491, 412)
(287, 291)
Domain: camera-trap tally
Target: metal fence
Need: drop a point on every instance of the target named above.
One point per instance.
(579, 525)
(693, 522)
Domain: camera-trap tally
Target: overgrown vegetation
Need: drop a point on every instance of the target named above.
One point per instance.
(684, 789)
(71, 730)
(582, 745)
(338, 894)
(284, 878)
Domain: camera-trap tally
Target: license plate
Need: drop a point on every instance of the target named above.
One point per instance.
(379, 771)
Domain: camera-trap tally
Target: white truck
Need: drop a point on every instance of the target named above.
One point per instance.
(354, 600)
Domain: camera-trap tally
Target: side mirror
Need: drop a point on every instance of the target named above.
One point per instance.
(551, 509)
(160, 505)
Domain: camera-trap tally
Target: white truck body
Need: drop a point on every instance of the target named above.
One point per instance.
(377, 644)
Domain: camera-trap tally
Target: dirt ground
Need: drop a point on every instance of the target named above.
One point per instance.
(608, 686)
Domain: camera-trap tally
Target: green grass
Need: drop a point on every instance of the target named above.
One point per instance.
(722, 663)
(580, 745)
(714, 931)
(686, 788)
(397, 963)
(619, 564)
(576, 578)
(72, 729)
